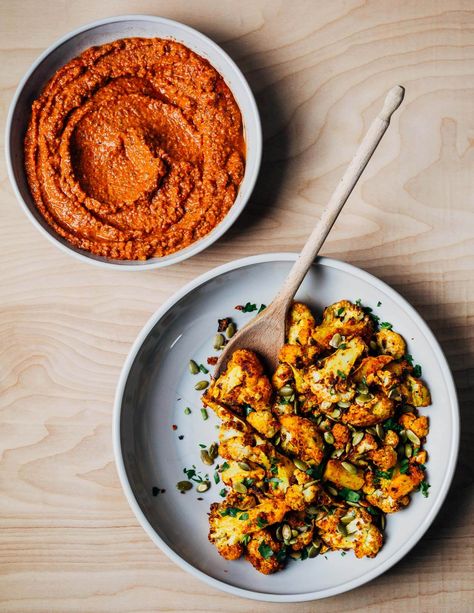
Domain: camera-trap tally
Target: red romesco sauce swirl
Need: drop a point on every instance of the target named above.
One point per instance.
(135, 149)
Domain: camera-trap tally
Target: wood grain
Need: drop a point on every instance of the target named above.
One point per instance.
(68, 541)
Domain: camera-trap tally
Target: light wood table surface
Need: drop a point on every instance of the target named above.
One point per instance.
(68, 540)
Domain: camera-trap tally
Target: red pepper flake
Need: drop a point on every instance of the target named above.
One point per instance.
(174, 426)
(212, 360)
(239, 307)
(223, 324)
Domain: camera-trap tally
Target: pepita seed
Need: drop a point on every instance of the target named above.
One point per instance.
(349, 467)
(243, 465)
(309, 484)
(380, 431)
(394, 393)
(295, 555)
(213, 451)
(219, 341)
(353, 504)
(286, 391)
(346, 519)
(311, 511)
(203, 487)
(342, 529)
(317, 543)
(303, 529)
(348, 447)
(362, 388)
(413, 438)
(193, 367)
(294, 533)
(352, 527)
(362, 399)
(201, 385)
(357, 437)
(184, 486)
(403, 436)
(336, 340)
(312, 551)
(329, 438)
(206, 458)
(277, 440)
(286, 532)
(240, 487)
(332, 490)
(373, 345)
(278, 533)
(300, 464)
(292, 541)
(382, 521)
(371, 431)
(231, 330)
(335, 414)
(408, 450)
(343, 404)
(337, 453)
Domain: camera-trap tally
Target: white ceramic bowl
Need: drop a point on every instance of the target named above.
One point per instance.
(155, 387)
(98, 33)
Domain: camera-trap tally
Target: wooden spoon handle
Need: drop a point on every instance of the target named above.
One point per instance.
(339, 198)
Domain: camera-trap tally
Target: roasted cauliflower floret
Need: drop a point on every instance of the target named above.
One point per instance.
(328, 382)
(344, 318)
(302, 530)
(384, 458)
(369, 366)
(341, 435)
(418, 425)
(301, 437)
(337, 474)
(264, 422)
(415, 392)
(391, 494)
(242, 472)
(226, 530)
(262, 552)
(391, 343)
(300, 324)
(360, 534)
(243, 383)
(391, 438)
(375, 410)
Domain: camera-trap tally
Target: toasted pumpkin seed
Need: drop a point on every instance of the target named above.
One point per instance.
(373, 345)
(348, 447)
(243, 465)
(213, 451)
(342, 529)
(343, 404)
(312, 551)
(286, 532)
(231, 330)
(201, 385)
(403, 436)
(336, 340)
(382, 521)
(332, 490)
(240, 487)
(337, 453)
(357, 437)
(184, 486)
(309, 484)
(277, 441)
(346, 519)
(219, 341)
(295, 555)
(278, 533)
(329, 438)
(349, 467)
(311, 511)
(362, 388)
(413, 438)
(294, 533)
(286, 391)
(300, 464)
(380, 431)
(408, 450)
(394, 394)
(203, 487)
(371, 431)
(193, 367)
(292, 541)
(206, 458)
(353, 504)
(335, 414)
(362, 399)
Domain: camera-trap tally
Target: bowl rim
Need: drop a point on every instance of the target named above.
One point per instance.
(233, 213)
(117, 411)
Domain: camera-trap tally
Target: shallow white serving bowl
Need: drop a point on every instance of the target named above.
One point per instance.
(98, 33)
(155, 387)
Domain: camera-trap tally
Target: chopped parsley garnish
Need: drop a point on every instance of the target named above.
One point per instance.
(231, 511)
(225, 466)
(262, 307)
(203, 369)
(262, 522)
(340, 312)
(349, 495)
(281, 555)
(216, 478)
(246, 539)
(193, 475)
(249, 308)
(391, 424)
(248, 482)
(243, 516)
(404, 465)
(384, 474)
(202, 445)
(265, 551)
(343, 553)
(276, 481)
(424, 486)
(341, 374)
(379, 303)
(385, 325)
(372, 510)
(304, 553)
(409, 358)
(417, 371)
(315, 472)
(223, 492)
(187, 411)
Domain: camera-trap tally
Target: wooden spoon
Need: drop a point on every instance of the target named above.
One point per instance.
(265, 334)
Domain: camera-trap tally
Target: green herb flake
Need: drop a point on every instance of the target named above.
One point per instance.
(385, 325)
(417, 371)
(243, 516)
(262, 307)
(248, 409)
(424, 487)
(216, 478)
(349, 495)
(249, 308)
(265, 551)
(187, 411)
(409, 358)
(202, 445)
(225, 466)
(262, 522)
(203, 369)
(204, 414)
(245, 540)
(223, 492)
(379, 303)
(281, 555)
(404, 465)
(248, 482)
(231, 511)
(341, 374)
(391, 424)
